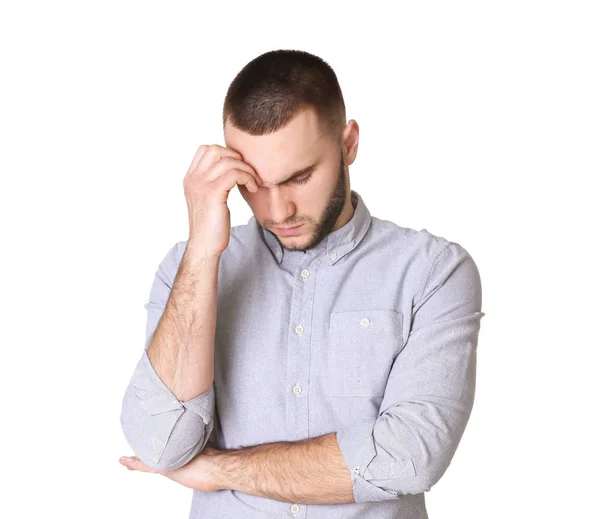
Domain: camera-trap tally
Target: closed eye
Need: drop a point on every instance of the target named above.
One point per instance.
(304, 180)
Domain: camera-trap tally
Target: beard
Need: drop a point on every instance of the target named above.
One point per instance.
(331, 213)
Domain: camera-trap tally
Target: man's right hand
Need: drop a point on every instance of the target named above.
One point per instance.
(214, 171)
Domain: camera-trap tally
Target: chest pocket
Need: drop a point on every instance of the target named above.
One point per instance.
(362, 346)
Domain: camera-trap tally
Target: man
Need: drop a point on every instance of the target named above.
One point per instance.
(329, 356)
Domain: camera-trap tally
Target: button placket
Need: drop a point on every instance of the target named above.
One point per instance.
(298, 357)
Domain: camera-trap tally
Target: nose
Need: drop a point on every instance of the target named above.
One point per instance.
(281, 208)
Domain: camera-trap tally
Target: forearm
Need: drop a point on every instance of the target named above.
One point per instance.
(310, 471)
(182, 348)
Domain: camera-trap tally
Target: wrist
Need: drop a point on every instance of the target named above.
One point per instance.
(197, 250)
(222, 475)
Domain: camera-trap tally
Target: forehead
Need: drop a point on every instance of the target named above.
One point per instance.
(277, 155)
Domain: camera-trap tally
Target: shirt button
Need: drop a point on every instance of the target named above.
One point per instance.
(295, 508)
(333, 255)
(299, 329)
(305, 273)
(297, 389)
(365, 322)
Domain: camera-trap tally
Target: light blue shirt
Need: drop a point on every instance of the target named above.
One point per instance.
(372, 334)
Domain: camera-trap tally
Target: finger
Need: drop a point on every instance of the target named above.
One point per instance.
(236, 176)
(202, 151)
(232, 164)
(198, 155)
(134, 463)
(213, 154)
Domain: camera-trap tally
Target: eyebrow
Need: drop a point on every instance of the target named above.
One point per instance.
(299, 173)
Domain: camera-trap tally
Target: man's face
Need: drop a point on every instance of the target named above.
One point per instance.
(318, 200)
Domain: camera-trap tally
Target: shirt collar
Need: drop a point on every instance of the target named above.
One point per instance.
(337, 244)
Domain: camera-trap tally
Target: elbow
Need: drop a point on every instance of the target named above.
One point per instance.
(174, 457)
(426, 481)
(435, 472)
(157, 454)
(164, 437)
(430, 472)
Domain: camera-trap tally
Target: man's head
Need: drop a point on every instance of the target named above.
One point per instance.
(284, 113)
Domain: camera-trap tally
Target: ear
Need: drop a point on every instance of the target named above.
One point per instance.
(350, 141)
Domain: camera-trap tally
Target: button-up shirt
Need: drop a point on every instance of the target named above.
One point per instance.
(372, 334)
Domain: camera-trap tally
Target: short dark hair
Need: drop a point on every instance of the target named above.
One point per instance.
(272, 88)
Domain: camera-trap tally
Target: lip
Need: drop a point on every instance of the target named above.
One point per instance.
(287, 231)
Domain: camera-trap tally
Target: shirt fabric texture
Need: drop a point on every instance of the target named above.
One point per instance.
(372, 334)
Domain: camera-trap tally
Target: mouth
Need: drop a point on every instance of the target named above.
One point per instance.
(287, 231)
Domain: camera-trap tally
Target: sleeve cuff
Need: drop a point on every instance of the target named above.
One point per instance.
(203, 405)
(358, 450)
(357, 444)
(156, 398)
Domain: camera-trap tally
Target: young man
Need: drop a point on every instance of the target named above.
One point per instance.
(329, 356)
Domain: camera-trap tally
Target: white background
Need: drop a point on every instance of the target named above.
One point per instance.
(479, 121)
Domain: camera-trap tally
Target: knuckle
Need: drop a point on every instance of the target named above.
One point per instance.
(230, 162)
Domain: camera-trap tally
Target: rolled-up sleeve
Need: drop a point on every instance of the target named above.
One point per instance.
(430, 390)
(164, 432)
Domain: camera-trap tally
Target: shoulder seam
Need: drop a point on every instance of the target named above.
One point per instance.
(431, 266)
